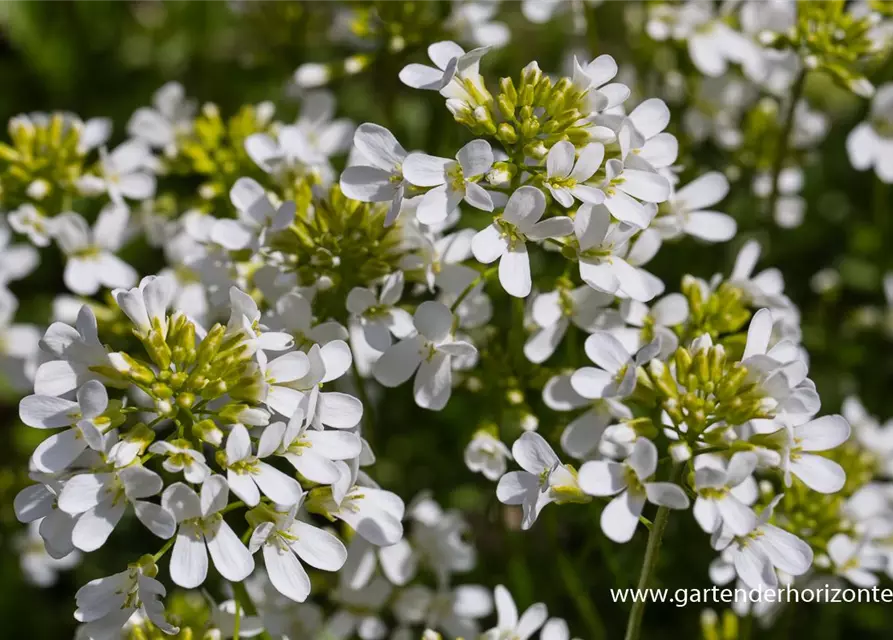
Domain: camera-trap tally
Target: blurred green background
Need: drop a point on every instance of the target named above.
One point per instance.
(107, 58)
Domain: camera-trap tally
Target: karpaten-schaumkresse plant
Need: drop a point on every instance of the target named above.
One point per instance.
(257, 304)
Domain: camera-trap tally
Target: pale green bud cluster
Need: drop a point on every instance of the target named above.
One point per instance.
(192, 373)
(42, 162)
(338, 244)
(214, 148)
(705, 389)
(830, 38)
(529, 116)
(720, 312)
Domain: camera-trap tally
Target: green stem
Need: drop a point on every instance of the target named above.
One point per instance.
(483, 275)
(577, 591)
(781, 149)
(652, 551)
(238, 504)
(163, 550)
(237, 621)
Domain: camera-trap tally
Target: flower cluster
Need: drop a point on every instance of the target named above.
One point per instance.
(321, 282)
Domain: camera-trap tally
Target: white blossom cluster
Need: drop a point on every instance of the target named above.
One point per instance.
(233, 402)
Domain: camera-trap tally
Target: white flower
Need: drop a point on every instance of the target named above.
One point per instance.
(39, 567)
(102, 498)
(73, 352)
(169, 116)
(870, 144)
(566, 177)
(379, 316)
(28, 220)
(722, 492)
(643, 143)
(257, 215)
(382, 179)
(312, 453)
(655, 323)
(797, 443)
(505, 239)
(39, 502)
(858, 562)
(602, 247)
(311, 140)
(487, 455)
(474, 22)
(91, 260)
(276, 390)
(594, 78)
(756, 555)
(293, 314)
(327, 408)
(124, 174)
(544, 479)
(454, 611)
(428, 354)
(373, 513)
(453, 180)
(19, 345)
(201, 524)
(555, 629)
(147, 305)
(765, 289)
(689, 213)
(553, 313)
(248, 475)
(456, 75)
(630, 480)
(244, 321)
(624, 186)
(615, 376)
(508, 625)
(106, 604)
(83, 418)
(286, 541)
(181, 457)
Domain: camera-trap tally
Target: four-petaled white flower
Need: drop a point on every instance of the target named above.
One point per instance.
(248, 475)
(796, 445)
(870, 144)
(722, 494)
(604, 253)
(566, 175)
(487, 454)
(688, 211)
(100, 500)
(125, 173)
(285, 542)
(630, 479)
(84, 419)
(506, 238)
(508, 625)
(428, 354)
(256, 216)
(378, 315)
(91, 260)
(106, 604)
(544, 479)
(381, 180)
(201, 530)
(452, 180)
